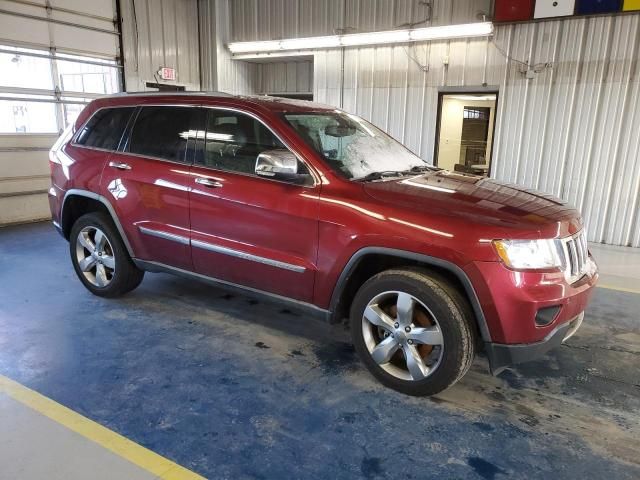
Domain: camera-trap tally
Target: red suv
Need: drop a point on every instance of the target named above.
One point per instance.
(310, 205)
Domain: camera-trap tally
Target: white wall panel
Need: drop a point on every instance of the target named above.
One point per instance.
(160, 33)
(286, 77)
(219, 72)
(274, 19)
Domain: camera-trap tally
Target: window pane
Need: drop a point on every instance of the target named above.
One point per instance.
(162, 132)
(25, 71)
(27, 117)
(105, 128)
(71, 112)
(88, 78)
(234, 141)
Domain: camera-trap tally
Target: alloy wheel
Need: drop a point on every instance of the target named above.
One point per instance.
(402, 335)
(95, 257)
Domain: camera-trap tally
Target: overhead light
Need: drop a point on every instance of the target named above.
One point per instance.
(392, 36)
(480, 29)
(444, 32)
(332, 41)
(471, 97)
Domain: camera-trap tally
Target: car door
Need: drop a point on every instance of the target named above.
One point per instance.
(147, 180)
(247, 229)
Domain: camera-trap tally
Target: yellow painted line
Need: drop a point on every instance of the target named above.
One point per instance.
(620, 289)
(146, 459)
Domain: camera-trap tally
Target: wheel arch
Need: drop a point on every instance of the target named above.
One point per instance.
(78, 202)
(358, 270)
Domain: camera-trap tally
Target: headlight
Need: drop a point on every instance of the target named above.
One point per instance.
(529, 254)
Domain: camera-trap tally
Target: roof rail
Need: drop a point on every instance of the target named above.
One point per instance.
(183, 93)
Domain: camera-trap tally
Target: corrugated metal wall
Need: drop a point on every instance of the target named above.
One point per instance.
(573, 130)
(219, 71)
(274, 19)
(287, 77)
(160, 33)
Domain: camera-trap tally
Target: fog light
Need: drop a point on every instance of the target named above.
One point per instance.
(547, 315)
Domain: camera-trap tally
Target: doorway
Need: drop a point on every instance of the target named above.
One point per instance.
(464, 139)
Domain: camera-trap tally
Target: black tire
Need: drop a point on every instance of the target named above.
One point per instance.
(125, 277)
(454, 318)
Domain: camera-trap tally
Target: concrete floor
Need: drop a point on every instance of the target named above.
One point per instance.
(232, 388)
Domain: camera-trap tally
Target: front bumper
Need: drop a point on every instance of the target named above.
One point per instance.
(502, 355)
(528, 313)
(511, 300)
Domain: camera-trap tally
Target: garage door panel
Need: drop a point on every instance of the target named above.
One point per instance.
(24, 208)
(84, 28)
(102, 8)
(16, 30)
(26, 9)
(80, 40)
(80, 19)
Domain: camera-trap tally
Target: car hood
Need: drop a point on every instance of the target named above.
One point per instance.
(479, 200)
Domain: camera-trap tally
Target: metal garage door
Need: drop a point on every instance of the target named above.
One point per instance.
(55, 56)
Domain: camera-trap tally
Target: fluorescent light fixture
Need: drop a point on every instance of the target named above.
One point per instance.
(481, 29)
(246, 47)
(471, 97)
(309, 43)
(392, 36)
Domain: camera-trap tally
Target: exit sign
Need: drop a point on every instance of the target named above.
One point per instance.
(167, 73)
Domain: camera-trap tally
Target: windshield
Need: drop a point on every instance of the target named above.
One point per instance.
(352, 146)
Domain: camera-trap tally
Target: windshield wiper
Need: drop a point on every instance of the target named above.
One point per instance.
(422, 168)
(378, 175)
(396, 173)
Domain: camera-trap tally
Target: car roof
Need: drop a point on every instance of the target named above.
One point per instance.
(269, 103)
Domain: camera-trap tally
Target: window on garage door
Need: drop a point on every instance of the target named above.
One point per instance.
(55, 57)
(42, 92)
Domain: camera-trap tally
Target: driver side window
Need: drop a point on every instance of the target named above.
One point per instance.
(234, 140)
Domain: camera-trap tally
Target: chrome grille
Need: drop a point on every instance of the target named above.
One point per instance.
(576, 256)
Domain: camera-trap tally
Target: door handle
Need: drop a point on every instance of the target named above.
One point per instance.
(120, 165)
(208, 182)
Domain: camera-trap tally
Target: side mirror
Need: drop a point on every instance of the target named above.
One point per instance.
(279, 164)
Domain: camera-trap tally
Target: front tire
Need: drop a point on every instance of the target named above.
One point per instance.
(413, 331)
(100, 258)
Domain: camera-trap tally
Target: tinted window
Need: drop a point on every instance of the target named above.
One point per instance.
(105, 128)
(234, 141)
(162, 132)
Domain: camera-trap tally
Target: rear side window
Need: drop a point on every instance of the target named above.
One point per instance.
(105, 128)
(162, 132)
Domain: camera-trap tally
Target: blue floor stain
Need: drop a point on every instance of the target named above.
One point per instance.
(486, 470)
(182, 369)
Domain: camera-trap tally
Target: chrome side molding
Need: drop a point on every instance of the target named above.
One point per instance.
(219, 249)
(246, 256)
(165, 235)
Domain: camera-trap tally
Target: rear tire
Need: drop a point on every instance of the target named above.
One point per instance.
(413, 331)
(100, 257)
